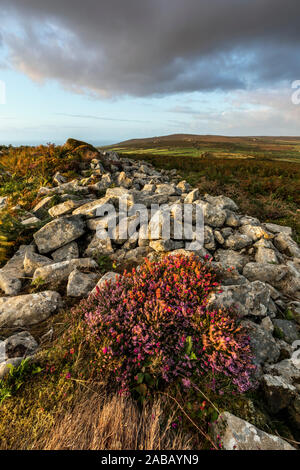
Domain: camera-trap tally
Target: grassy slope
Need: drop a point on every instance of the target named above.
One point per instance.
(261, 173)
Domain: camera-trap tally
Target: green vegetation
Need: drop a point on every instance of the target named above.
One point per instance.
(261, 174)
(23, 170)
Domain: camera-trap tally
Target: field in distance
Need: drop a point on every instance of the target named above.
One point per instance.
(262, 174)
(209, 146)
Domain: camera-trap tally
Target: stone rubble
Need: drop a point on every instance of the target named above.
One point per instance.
(257, 264)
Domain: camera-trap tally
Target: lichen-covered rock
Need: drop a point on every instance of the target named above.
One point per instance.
(237, 434)
(9, 284)
(214, 216)
(255, 232)
(33, 261)
(287, 245)
(25, 310)
(231, 258)
(65, 253)
(162, 245)
(66, 207)
(40, 210)
(81, 284)
(250, 299)
(287, 329)
(286, 368)
(20, 345)
(263, 345)
(278, 392)
(99, 245)
(58, 272)
(223, 202)
(192, 196)
(266, 255)
(108, 277)
(238, 241)
(58, 233)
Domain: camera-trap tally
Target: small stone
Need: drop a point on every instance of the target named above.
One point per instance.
(60, 271)
(20, 345)
(263, 345)
(81, 284)
(237, 434)
(238, 241)
(24, 310)
(288, 330)
(110, 277)
(65, 253)
(278, 392)
(192, 196)
(33, 261)
(58, 233)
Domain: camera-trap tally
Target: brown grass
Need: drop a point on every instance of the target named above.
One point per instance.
(114, 423)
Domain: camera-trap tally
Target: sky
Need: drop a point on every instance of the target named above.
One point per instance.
(106, 71)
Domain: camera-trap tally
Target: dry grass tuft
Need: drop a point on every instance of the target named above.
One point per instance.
(114, 423)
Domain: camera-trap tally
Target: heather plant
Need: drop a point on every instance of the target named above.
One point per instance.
(152, 328)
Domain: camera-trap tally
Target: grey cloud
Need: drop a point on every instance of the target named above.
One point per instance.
(134, 47)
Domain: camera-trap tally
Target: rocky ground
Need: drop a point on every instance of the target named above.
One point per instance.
(257, 264)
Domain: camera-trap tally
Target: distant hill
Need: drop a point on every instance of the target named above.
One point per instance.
(180, 139)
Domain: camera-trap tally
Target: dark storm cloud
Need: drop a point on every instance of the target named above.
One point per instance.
(144, 47)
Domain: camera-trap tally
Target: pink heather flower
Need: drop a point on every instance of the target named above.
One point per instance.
(186, 383)
(104, 350)
(68, 375)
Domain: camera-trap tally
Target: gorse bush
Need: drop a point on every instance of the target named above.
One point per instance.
(153, 328)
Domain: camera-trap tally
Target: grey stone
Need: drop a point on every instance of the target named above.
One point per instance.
(99, 245)
(162, 245)
(93, 208)
(232, 219)
(81, 284)
(255, 232)
(223, 202)
(237, 434)
(266, 255)
(6, 366)
(168, 189)
(59, 179)
(192, 196)
(213, 215)
(286, 368)
(9, 284)
(110, 277)
(65, 253)
(20, 345)
(58, 233)
(33, 261)
(251, 299)
(66, 207)
(238, 241)
(31, 222)
(227, 276)
(288, 330)
(278, 392)
(285, 244)
(60, 271)
(24, 310)
(230, 258)
(274, 228)
(40, 210)
(263, 345)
